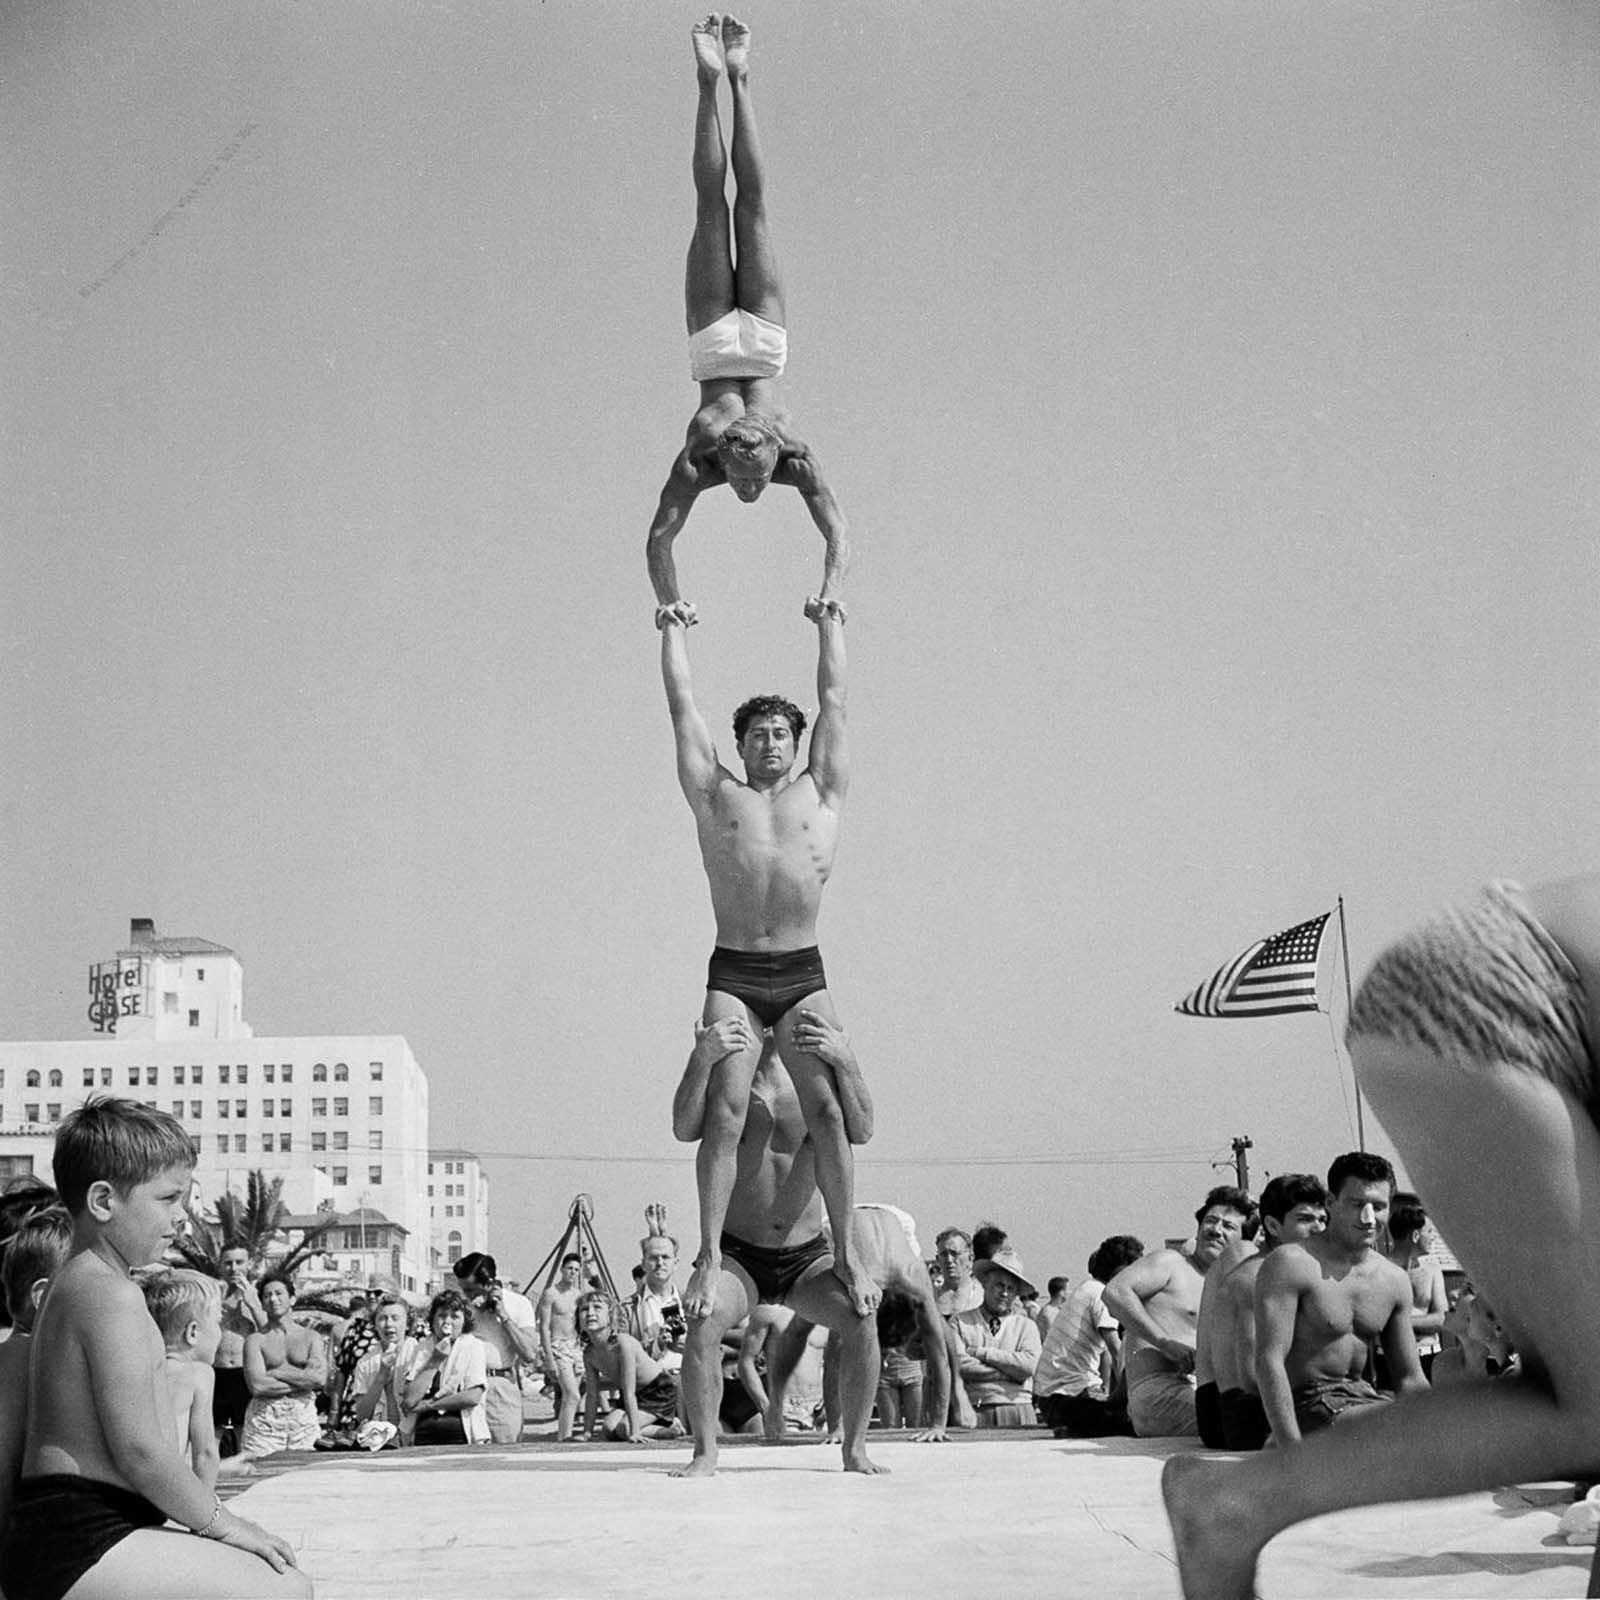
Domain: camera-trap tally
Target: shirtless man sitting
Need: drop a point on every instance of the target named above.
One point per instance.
(1294, 1206)
(285, 1367)
(1157, 1301)
(1320, 1303)
(741, 434)
(774, 1249)
(767, 843)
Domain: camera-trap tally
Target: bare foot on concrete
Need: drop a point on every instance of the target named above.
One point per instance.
(699, 1467)
(859, 1461)
(1211, 1530)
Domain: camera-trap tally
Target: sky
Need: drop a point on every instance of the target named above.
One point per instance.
(1211, 388)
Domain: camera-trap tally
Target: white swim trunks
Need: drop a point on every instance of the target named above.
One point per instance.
(738, 345)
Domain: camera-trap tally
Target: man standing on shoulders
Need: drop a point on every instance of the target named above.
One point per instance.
(999, 1345)
(505, 1324)
(1320, 1303)
(558, 1340)
(1157, 1301)
(767, 842)
(242, 1314)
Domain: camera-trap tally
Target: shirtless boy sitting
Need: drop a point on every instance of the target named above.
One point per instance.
(767, 842)
(187, 1308)
(740, 434)
(285, 1367)
(775, 1252)
(1320, 1303)
(100, 1475)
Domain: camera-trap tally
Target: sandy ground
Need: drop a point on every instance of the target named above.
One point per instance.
(1010, 1515)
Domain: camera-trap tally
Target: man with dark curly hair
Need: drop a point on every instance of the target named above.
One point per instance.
(767, 842)
(738, 346)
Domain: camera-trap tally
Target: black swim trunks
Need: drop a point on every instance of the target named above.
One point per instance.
(775, 1271)
(770, 982)
(1244, 1420)
(1208, 1413)
(60, 1526)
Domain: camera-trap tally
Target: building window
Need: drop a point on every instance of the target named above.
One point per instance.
(195, 1111)
(150, 1076)
(341, 1139)
(88, 1077)
(341, 1176)
(52, 1113)
(33, 1080)
(238, 1143)
(30, 1112)
(375, 1174)
(241, 1109)
(55, 1080)
(195, 1074)
(244, 1073)
(222, 1108)
(319, 1140)
(177, 1074)
(341, 1072)
(341, 1106)
(430, 1169)
(269, 1072)
(169, 1002)
(199, 974)
(376, 1069)
(177, 1109)
(288, 1072)
(222, 1144)
(430, 1191)
(133, 1078)
(453, 1244)
(283, 1144)
(319, 1073)
(375, 1139)
(194, 1019)
(268, 1108)
(266, 1144)
(285, 1108)
(222, 1072)
(319, 1108)
(375, 1105)
(105, 1077)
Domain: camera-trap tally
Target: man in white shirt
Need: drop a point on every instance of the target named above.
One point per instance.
(506, 1325)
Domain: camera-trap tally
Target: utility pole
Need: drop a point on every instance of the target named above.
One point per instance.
(1241, 1160)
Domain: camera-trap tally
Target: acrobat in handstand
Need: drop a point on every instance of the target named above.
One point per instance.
(738, 344)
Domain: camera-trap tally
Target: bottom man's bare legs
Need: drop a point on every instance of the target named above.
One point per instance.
(1490, 1148)
(820, 1300)
(702, 1374)
(836, 1163)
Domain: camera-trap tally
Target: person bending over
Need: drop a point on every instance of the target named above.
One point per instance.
(741, 434)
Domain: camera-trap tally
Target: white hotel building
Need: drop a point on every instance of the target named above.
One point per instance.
(342, 1119)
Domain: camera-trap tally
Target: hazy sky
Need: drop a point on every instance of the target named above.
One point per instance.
(1212, 390)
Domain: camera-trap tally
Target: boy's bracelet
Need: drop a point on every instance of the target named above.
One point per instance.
(216, 1511)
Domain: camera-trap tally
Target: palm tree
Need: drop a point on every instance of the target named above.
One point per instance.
(250, 1224)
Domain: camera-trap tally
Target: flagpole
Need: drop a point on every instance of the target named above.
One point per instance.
(1349, 1003)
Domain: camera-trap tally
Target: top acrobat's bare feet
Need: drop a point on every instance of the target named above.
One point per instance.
(707, 37)
(736, 45)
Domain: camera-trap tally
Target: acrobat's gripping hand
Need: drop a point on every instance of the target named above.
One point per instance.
(679, 614)
(817, 608)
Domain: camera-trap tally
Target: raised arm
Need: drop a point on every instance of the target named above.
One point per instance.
(815, 1034)
(804, 472)
(830, 755)
(672, 510)
(697, 756)
(711, 1045)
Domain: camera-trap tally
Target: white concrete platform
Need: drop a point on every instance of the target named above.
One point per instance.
(1007, 1516)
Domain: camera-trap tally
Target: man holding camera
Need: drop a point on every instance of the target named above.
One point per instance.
(505, 1321)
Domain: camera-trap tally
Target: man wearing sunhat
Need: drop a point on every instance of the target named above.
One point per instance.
(999, 1344)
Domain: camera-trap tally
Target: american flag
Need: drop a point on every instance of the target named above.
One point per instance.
(1272, 977)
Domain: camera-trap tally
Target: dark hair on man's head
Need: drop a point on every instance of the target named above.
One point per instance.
(1361, 1165)
(120, 1142)
(768, 705)
(1231, 1198)
(987, 1239)
(37, 1249)
(1291, 1189)
(475, 1266)
(1406, 1215)
(1113, 1254)
(285, 1280)
(572, 1255)
(1054, 1286)
(451, 1300)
